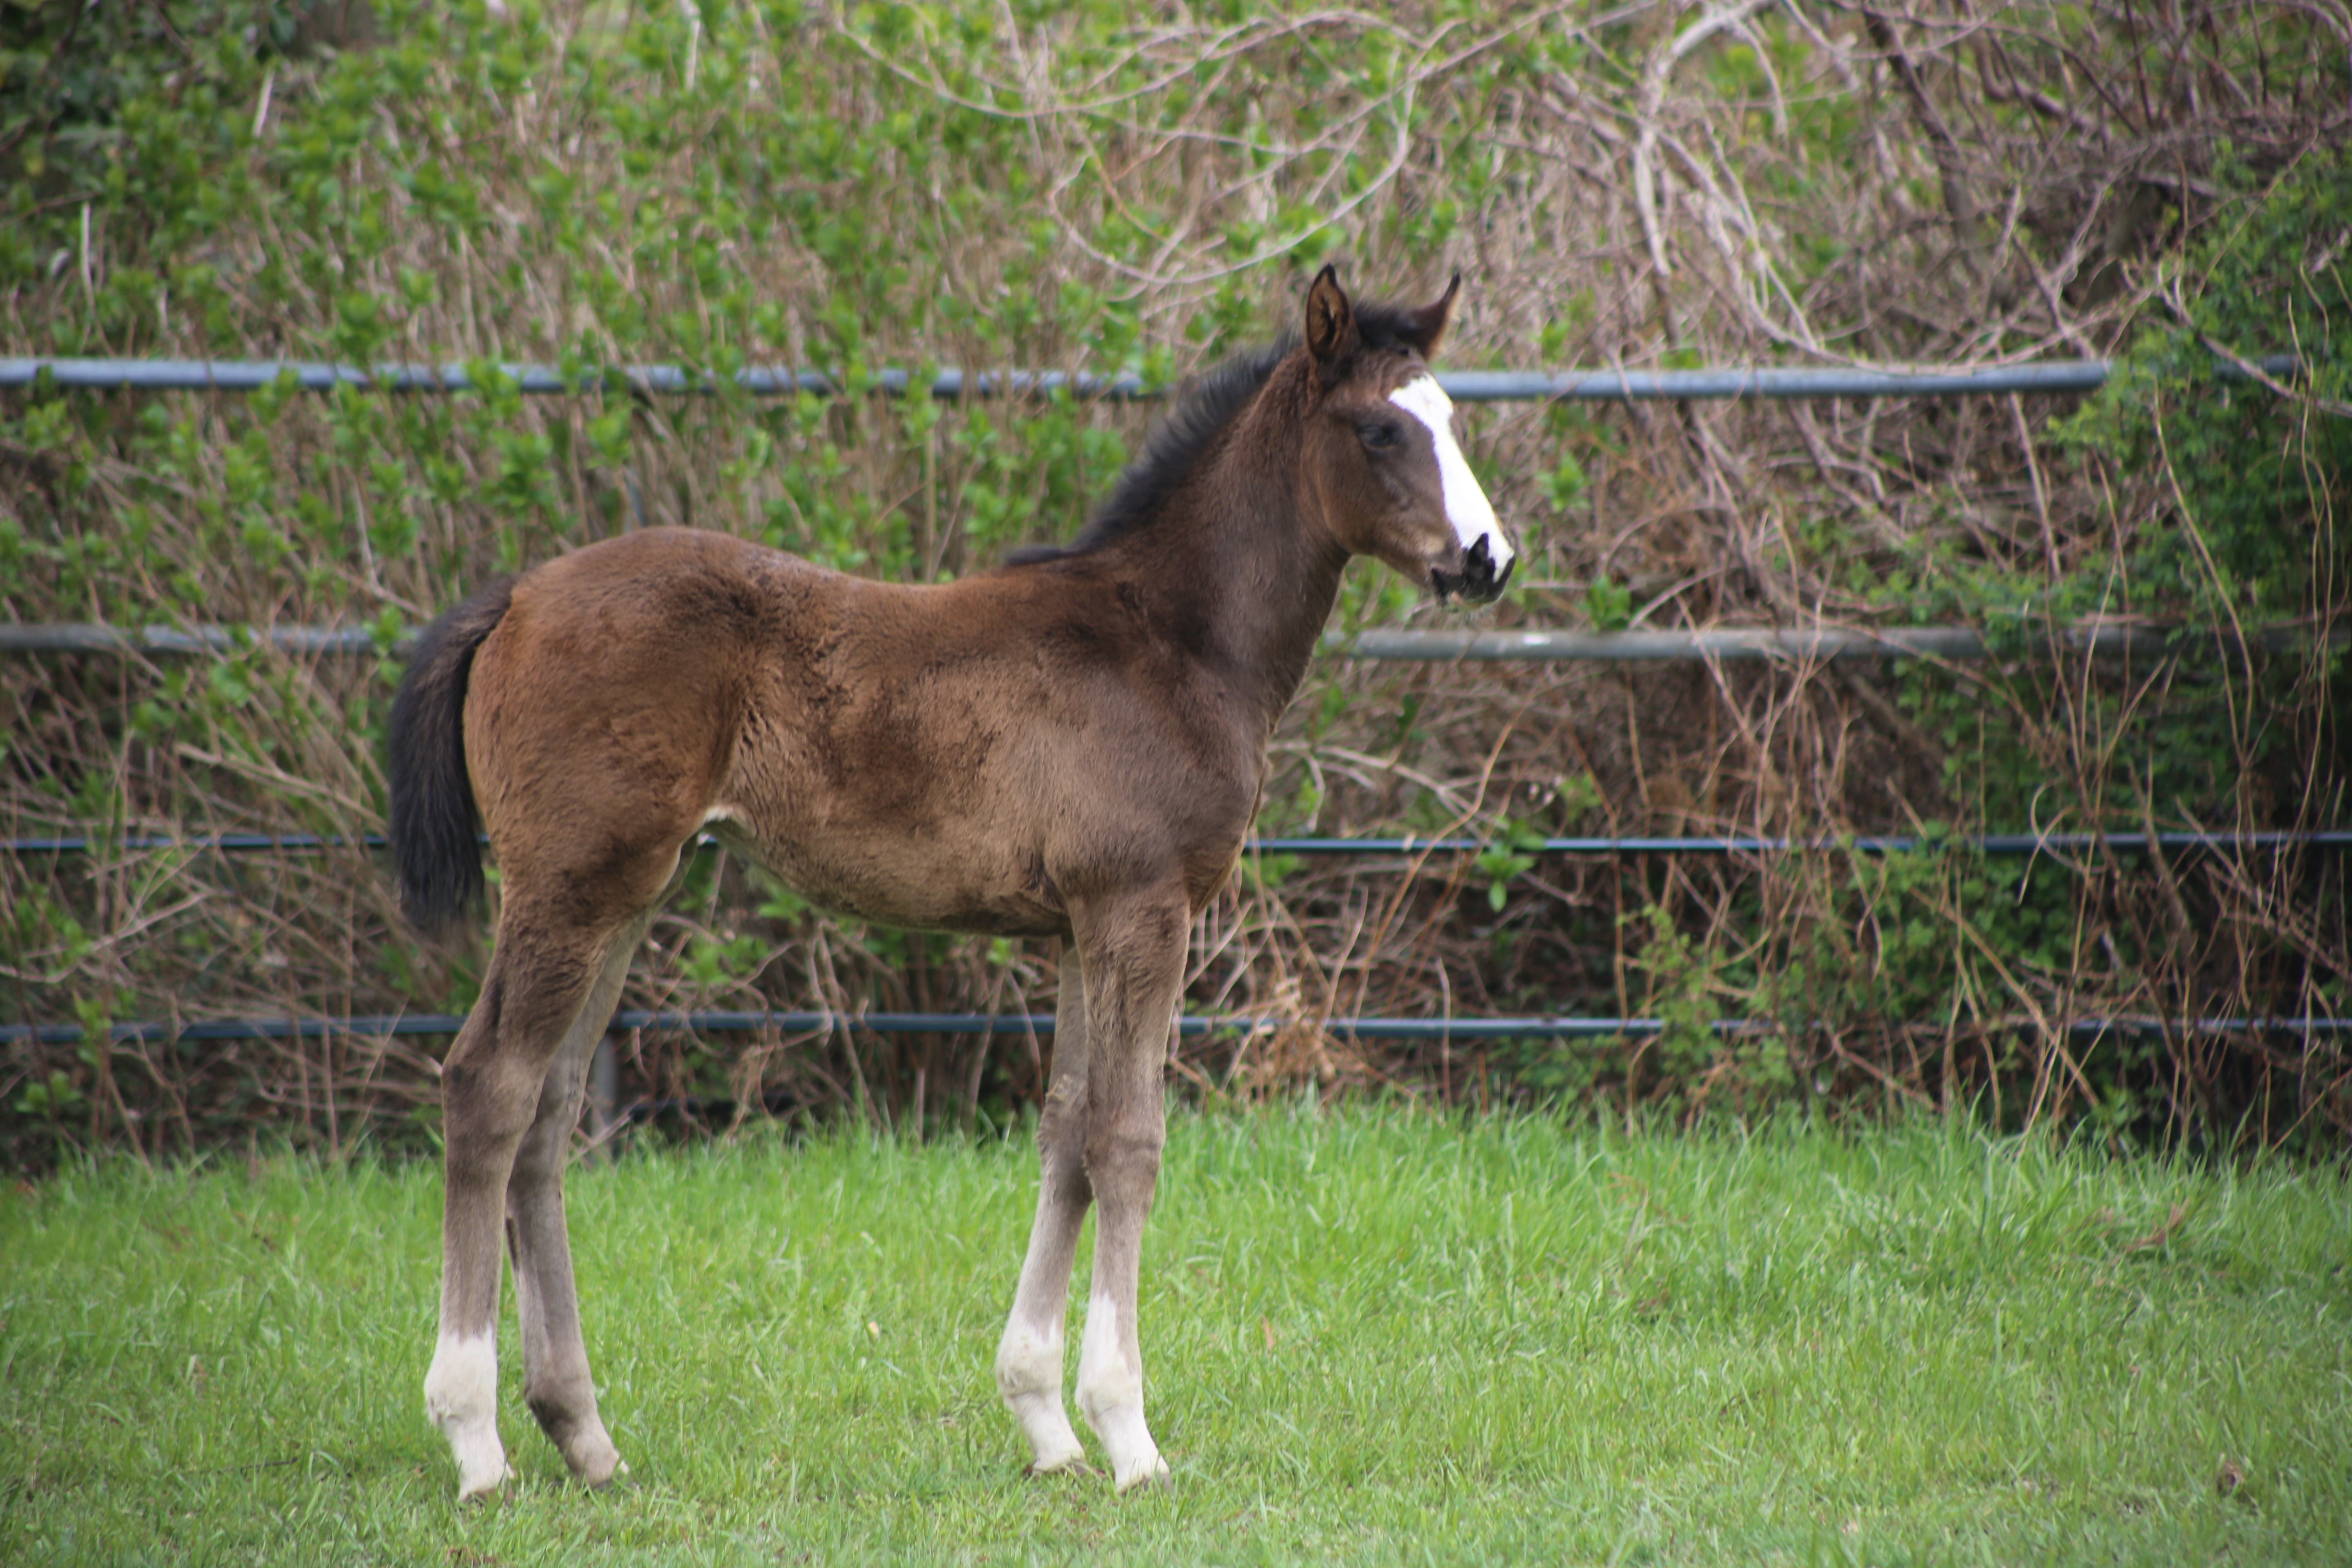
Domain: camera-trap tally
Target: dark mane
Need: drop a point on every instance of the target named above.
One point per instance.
(1177, 442)
(1170, 452)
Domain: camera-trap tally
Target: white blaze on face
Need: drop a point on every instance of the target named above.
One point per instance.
(1466, 507)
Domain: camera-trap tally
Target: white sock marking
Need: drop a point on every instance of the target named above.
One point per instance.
(1029, 1359)
(461, 1396)
(1029, 1376)
(1111, 1392)
(1104, 1379)
(1466, 506)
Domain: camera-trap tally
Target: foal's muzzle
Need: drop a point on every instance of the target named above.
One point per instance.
(1477, 581)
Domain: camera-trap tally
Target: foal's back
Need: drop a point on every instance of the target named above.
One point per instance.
(949, 756)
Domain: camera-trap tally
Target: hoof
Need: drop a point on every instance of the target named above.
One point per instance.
(611, 1480)
(482, 1466)
(1072, 1463)
(1145, 1472)
(590, 1454)
(475, 1486)
(1053, 1443)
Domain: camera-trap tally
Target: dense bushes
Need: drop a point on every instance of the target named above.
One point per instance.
(904, 186)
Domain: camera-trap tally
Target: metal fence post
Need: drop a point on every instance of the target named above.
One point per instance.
(603, 1099)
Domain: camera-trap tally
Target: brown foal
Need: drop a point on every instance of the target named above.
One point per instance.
(1072, 744)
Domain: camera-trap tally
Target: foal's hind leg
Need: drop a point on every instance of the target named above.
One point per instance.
(492, 1085)
(556, 1381)
(1029, 1357)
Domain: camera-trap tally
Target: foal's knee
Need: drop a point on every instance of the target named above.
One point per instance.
(546, 1146)
(539, 1162)
(1123, 1165)
(1062, 1138)
(487, 1103)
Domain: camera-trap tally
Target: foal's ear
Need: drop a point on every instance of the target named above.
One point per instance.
(1331, 321)
(1424, 327)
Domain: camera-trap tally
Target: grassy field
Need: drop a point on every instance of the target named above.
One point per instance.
(1370, 1336)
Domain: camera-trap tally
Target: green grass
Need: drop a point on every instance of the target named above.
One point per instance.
(1370, 1336)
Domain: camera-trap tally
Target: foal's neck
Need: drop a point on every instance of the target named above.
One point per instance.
(1243, 573)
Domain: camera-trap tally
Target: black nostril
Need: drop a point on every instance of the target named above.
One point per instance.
(1479, 581)
(1478, 570)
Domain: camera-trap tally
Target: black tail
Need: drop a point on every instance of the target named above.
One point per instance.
(436, 827)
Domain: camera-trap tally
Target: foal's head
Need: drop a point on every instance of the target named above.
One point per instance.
(1381, 447)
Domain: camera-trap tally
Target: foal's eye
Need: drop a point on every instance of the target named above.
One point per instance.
(1376, 437)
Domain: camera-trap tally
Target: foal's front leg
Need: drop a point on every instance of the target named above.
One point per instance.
(1134, 970)
(1029, 1357)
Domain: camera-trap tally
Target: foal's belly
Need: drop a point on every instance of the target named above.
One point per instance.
(908, 884)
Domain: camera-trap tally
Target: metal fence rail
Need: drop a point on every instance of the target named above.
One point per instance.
(385, 1026)
(1790, 645)
(1810, 644)
(2049, 376)
(2001, 844)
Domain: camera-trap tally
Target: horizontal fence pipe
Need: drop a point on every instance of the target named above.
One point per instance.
(541, 380)
(2053, 376)
(69, 636)
(1876, 843)
(200, 844)
(1796, 645)
(1868, 843)
(817, 1023)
